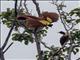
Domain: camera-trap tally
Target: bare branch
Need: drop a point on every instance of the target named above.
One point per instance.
(37, 40)
(59, 50)
(7, 48)
(43, 43)
(26, 7)
(20, 5)
(1, 55)
(7, 39)
(37, 7)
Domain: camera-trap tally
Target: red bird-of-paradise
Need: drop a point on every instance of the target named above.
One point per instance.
(45, 19)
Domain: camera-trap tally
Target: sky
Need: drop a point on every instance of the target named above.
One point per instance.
(20, 51)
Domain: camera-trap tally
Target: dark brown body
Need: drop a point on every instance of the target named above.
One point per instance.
(63, 38)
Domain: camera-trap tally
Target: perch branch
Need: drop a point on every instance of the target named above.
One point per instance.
(59, 50)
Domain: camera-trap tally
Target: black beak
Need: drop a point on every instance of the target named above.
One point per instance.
(50, 25)
(61, 32)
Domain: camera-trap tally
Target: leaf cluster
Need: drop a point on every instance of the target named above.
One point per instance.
(50, 55)
(75, 35)
(22, 37)
(73, 13)
(7, 17)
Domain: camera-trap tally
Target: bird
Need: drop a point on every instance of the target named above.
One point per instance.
(64, 38)
(45, 19)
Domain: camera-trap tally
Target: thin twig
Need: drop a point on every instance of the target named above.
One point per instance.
(51, 49)
(37, 7)
(26, 7)
(7, 47)
(7, 39)
(59, 50)
(20, 4)
(43, 43)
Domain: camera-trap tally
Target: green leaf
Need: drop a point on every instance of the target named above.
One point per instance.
(78, 21)
(46, 57)
(75, 50)
(68, 21)
(17, 37)
(75, 11)
(4, 21)
(26, 42)
(7, 17)
(61, 58)
(31, 40)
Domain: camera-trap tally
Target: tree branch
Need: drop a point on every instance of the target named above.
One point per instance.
(43, 43)
(20, 5)
(69, 54)
(26, 7)
(7, 48)
(59, 50)
(37, 40)
(37, 7)
(1, 55)
(62, 21)
(6, 41)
